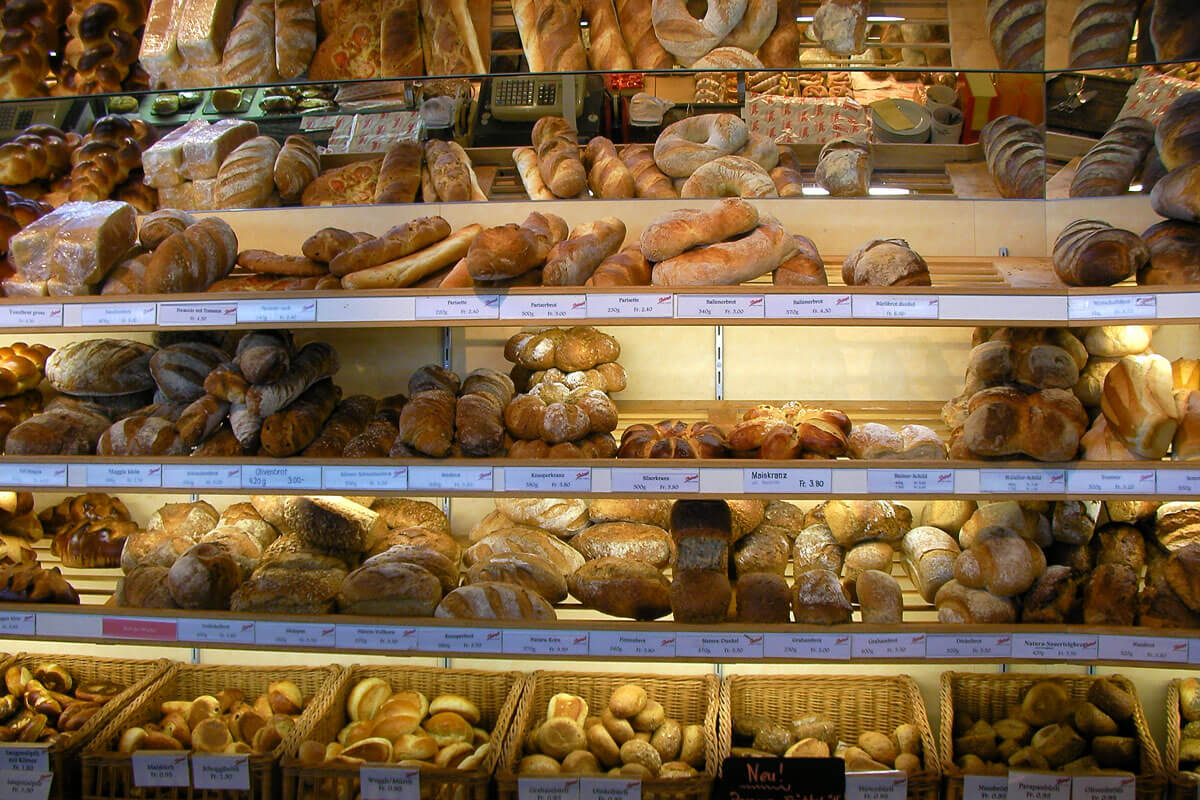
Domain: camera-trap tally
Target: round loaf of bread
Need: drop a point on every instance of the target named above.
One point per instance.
(650, 512)
(1177, 195)
(441, 543)
(191, 520)
(815, 548)
(630, 540)
(404, 512)
(561, 555)
(524, 569)
(295, 583)
(445, 570)
(818, 599)
(880, 598)
(101, 367)
(390, 588)
(563, 517)
(333, 522)
(763, 597)
(180, 370)
(1174, 254)
(763, 550)
(245, 518)
(1177, 137)
(204, 577)
(239, 544)
(153, 548)
(622, 588)
(494, 601)
(730, 262)
(145, 586)
(885, 262)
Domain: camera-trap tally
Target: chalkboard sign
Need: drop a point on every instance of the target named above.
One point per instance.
(783, 779)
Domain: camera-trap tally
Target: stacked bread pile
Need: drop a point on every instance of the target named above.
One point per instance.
(88, 531)
(47, 702)
(103, 46)
(1175, 242)
(1189, 733)
(22, 578)
(814, 736)
(716, 155)
(32, 31)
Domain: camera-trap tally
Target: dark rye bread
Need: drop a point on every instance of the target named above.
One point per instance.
(179, 370)
(1111, 165)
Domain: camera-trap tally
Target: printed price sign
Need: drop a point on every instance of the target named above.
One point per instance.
(631, 306)
(42, 315)
(463, 479)
(964, 645)
(719, 645)
(355, 478)
(812, 646)
(123, 314)
(698, 306)
(1022, 481)
(374, 637)
(481, 306)
(900, 307)
(228, 772)
(222, 631)
(547, 789)
(808, 306)
(908, 481)
(186, 476)
(555, 306)
(124, 475)
(18, 624)
(153, 768)
(1143, 648)
(1054, 646)
(985, 787)
(44, 475)
(460, 640)
(612, 789)
(148, 629)
(546, 643)
(890, 785)
(655, 480)
(631, 644)
(1172, 481)
(1103, 787)
(786, 481)
(26, 785)
(543, 479)
(390, 783)
(887, 645)
(207, 314)
(262, 476)
(1126, 306)
(1036, 786)
(1103, 481)
(25, 757)
(297, 634)
(277, 311)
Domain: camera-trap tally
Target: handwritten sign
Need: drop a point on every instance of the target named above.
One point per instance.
(1054, 646)
(612, 789)
(25, 757)
(389, 783)
(26, 785)
(460, 640)
(463, 479)
(1103, 481)
(547, 789)
(1143, 648)
(365, 478)
(222, 631)
(374, 637)
(296, 634)
(1171, 481)
(44, 475)
(227, 772)
(890, 785)
(985, 787)
(186, 476)
(546, 643)
(127, 475)
(910, 481)
(18, 624)
(1037, 786)
(888, 645)
(1103, 787)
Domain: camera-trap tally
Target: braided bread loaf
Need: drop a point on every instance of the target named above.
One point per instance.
(791, 431)
(673, 438)
(108, 154)
(555, 413)
(41, 153)
(30, 35)
(21, 367)
(1016, 156)
(105, 44)
(1111, 165)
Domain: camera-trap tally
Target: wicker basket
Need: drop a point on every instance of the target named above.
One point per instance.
(692, 700)
(135, 675)
(495, 693)
(989, 696)
(1183, 784)
(108, 775)
(853, 703)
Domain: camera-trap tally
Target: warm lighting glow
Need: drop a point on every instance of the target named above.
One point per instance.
(814, 191)
(1137, 187)
(885, 19)
(883, 191)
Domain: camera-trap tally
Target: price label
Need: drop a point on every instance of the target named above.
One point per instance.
(1036, 786)
(626, 644)
(298, 634)
(631, 306)
(353, 478)
(153, 768)
(546, 643)
(357, 309)
(786, 481)
(547, 789)
(471, 306)
(460, 640)
(655, 480)
(262, 476)
(873, 306)
(719, 645)
(1172, 481)
(18, 624)
(26, 785)
(41, 315)
(25, 757)
(909, 481)
(273, 311)
(375, 637)
(207, 314)
(1103, 481)
(808, 306)
(887, 645)
(1103, 787)
(123, 314)
(810, 646)
(542, 479)
(52, 625)
(463, 479)
(610, 789)
(229, 772)
(738, 306)
(964, 645)
(535, 307)
(890, 785)
(33, 475)
(1054, 646)
(389, 783)
(221, 631)
(186, 476)
(1125, 306)
(148, 629)
(1022, 481)
(1143, 648)
(985, 787)
(142, 475)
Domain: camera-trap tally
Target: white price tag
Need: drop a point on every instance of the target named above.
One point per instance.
(786, 481)
(985, 787)
(910, 481)
(737, 306)
(206, 314)
(160, 768)
(625, 644)
(25, 757)
(139, 475)
(547, 479)
(41, 315)
(273, 311)
(1125, 306)
(355, 478)
(460, 640)
(1103, 787)
(471, 306)
(375, 637)
(357, 309)
(123, 314)
(1022, 481)
(389, 783)
(1038, 786)
(808, 306)
(297, 634)
(873, 306)
(223, 631)
(634, 479)
(1143, 648)
(719, 645)
(890, 785)
(1175, 481)
(525, 307)
(186, 476)
(228, 772)
(631, 306)
(463, 479)
(1054, 646)
(52, 625)
(968, 645)
(611, 789)
(262, 476)
(807, 646)
(33, 475)
(18, 624)
(887, 645)
(547, 789)
(1103, 481)
(26, 785)
(545, 643)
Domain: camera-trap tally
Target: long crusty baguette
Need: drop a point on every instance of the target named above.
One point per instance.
(399, 241)
(531, 175)
(476, 190)
(573, 260)
(411, 268)
(459, 277)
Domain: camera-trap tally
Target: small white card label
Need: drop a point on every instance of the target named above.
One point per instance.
(33, 474)
(890, 785)
(354, 478)
(985, 787)
(374, 637)
(612, 789)
(533, 307)
(887, 645)
(1022, 481)
(873, 306)
(26, 785)
(653, 306)
(1054, 646)
(102, 314)
(206, 314)
(41, 315)
(262, 476)
(655, 480)
(1103, 787)
(910, 481)
(18, 624)
(546, 479)
(636, 644)
(807, 646)
(298, 634)
(808, 306)
(1175, 481)
(277, 311)
(719, 645)
(736, 306)
(231, 773)
(1103, 481)
(968, 645)
(186, 476)
(1125, 306)
(25, 758)
(463, 479)
(469, 306)
(460, 640)
(1038, 786)
(547, 789)
(786, 481)
(390, 783)
(160, 768)
(124, 475)
(223, 631)
(545, 643)
(1143, 648)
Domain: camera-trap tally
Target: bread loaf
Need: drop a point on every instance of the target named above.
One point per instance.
(638, 31)
(397, 242)
(1091, 252)
(1138, 404)
(1177, 195)
(728, 263)
(249, 54)
(97, 367)
(928, 556)
(626, 268)
(649, 180)
(246, 178)
(818, 599)
(606, 47)
(1174, 30)
(880, 598)
(622, 587)
(450, 39)
(479, 412)
(1101, 33)
(1174, 249)
(958, 604)
(781, 50)
(512, 250)
(192, 259)
(524, 569)
(550, 35)
(572, 261)
(844, 167)
(608, 177)
(1018, 32)
(1177, 137)
(401, 54)
(885, 262)
(558, 156)
(179, 370)
(296, 165)
(1045, 425)
(841, 26)
(1111, 165)
(494, 601)
(400, 174)
(294, 428)
(389, 588)
(1015, 151)
(296, 37)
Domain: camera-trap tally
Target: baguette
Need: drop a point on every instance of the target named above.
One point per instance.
(411, 268)
(608, 176)
(626, 268)
(399, 241)
(531, 176)
(572, 261)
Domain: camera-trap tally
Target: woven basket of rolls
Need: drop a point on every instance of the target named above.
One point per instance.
(1090, 706)
(186, 691)
(1182, 711)
(854, 707)
(682, 708)
(452, 721)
